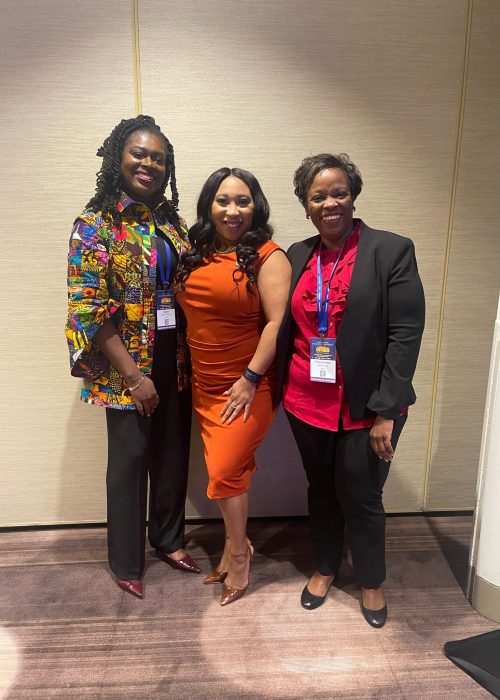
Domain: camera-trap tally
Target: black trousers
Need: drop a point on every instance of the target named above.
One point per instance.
(159, 447)
(346, 479)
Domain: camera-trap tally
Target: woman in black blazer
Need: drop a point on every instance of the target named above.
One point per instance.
(347, 352)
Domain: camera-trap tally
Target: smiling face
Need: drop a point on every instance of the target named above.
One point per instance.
(232, 210)
(143, 165)
(330, 206)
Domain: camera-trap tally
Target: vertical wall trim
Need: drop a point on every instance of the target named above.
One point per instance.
(449, 233)
(136, 57)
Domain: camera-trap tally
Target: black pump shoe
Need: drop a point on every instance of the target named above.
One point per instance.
(309, 601)
(375, 618)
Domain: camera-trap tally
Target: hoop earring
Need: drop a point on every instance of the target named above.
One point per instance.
(353, 208)
(307, 216)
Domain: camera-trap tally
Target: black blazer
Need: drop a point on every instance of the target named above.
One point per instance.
(379, 337)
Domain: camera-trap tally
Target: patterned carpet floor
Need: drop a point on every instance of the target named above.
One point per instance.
(67, 631)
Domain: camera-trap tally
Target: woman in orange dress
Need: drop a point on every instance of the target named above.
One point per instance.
(234, 288)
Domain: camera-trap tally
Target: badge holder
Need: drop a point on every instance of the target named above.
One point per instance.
(323, 365)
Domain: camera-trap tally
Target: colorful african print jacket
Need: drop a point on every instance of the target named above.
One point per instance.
(112, 275)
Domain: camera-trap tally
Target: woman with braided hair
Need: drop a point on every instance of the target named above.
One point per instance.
(126, 340)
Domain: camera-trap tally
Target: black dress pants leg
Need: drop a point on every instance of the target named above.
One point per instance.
(317, 450)
(126, 483)
(168, 472)
(159, 447)
(360, 477)
(346, 480)
(171, 432)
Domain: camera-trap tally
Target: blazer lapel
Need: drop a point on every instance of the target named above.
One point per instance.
(362, 272)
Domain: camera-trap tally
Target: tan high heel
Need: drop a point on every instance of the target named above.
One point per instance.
(216, 575)
(229, 594)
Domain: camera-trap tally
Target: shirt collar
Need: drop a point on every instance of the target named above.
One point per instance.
(126, 201)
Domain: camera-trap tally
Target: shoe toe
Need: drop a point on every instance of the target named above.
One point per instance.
(309, 601)
(190, 565)
(375, 618)
(229, 595)
(132, 586)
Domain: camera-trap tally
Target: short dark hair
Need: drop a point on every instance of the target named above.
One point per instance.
(311, 166)
(108, 185)
(202, 234)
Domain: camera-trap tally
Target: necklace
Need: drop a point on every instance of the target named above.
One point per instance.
(226, 250)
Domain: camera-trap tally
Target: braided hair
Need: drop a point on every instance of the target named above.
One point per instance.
(109, 186)
(202, 234)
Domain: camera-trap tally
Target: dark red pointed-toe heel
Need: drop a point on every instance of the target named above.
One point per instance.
(184, 564)
(132, 586)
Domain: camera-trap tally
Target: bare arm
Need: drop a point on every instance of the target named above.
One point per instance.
(274, 285)
(109, 342)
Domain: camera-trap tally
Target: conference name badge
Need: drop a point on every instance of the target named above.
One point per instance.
(165, 310)
(323, 360)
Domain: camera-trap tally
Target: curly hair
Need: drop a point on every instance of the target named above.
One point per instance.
(311, 166)
(202, 234)
(109, 185)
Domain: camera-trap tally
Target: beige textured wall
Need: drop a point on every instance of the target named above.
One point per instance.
(62, 78)
(259, 84)
(473, 276)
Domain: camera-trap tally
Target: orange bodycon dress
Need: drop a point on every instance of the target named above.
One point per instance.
(224, 323)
